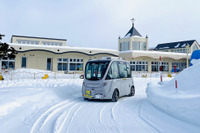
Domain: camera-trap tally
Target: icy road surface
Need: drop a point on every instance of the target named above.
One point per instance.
(56, 106)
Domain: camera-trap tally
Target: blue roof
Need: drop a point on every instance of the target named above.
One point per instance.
(174, 45)
(133, 32)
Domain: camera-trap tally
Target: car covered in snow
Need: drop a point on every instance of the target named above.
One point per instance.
(108, 78)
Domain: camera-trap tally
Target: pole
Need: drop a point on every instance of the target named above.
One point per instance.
(187, 49)
(160, 71)
(175, 68)
(11, 76)
(176, 85)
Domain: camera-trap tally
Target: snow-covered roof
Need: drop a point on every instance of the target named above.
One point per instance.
(38, 37)
(153, 54)
(61, 49)
(174, 45)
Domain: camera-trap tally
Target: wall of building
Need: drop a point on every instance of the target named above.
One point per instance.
(38, 59)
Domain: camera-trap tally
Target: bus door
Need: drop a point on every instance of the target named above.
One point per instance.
(124, 89)
(113, 78)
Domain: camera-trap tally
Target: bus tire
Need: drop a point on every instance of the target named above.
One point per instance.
(132, 91)
(85, 98)
(115, 96)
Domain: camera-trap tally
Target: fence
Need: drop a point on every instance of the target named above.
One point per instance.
(12, 75)
(152, 75)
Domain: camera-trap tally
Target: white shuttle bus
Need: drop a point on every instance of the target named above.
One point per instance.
(108, 78)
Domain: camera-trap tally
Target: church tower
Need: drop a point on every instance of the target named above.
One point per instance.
(133, 40)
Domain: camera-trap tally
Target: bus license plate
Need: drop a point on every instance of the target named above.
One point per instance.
(88, 92)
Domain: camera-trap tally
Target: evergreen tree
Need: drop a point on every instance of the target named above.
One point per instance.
(6, 51)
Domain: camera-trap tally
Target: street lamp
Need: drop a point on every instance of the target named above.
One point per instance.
(187, 49)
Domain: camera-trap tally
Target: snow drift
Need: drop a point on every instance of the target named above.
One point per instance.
(183, 102)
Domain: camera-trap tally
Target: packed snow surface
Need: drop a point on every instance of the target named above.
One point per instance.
(30, 105)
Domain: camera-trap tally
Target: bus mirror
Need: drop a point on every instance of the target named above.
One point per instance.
(81, 76)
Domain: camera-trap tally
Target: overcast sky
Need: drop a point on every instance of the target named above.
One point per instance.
(99, 23)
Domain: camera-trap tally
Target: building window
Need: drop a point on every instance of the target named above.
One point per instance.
(124, 46)
(142, 45)
(138, 45)
(179, 50)
(156, 66)
(52, 43)
(62, 64)
(27, 42)
(23, 65)
(76, 65)
(165, 50)
(179, 66)
(8, 64)
(139, 66)
(195, 47)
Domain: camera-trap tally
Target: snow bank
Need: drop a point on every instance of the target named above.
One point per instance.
(183, 102)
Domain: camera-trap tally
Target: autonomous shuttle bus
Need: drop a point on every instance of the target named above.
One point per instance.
(108, 78)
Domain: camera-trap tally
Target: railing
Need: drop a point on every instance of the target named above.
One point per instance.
(152, 75)
(12, 75)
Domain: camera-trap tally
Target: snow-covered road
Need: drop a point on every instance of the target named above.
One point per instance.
(56, 106)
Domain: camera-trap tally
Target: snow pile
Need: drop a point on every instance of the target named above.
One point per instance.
(183, 102)
(23, 101)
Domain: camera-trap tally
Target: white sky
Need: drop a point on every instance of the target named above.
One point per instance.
(99, 23)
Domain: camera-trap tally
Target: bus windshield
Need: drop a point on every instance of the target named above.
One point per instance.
(95, 70)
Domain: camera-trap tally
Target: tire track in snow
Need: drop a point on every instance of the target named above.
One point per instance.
(47, 115)
(65, 119)
(145, 120)
(101, 112)
(110, 111)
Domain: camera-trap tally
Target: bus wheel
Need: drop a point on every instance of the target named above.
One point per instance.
(85, 98)
(115, 96)
(132, 91)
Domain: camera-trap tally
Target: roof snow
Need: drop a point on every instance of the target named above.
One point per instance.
(63, 47)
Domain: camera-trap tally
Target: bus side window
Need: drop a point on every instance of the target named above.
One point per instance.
(128, 70)
(113, 72)
(109, 75)
(123, 70)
